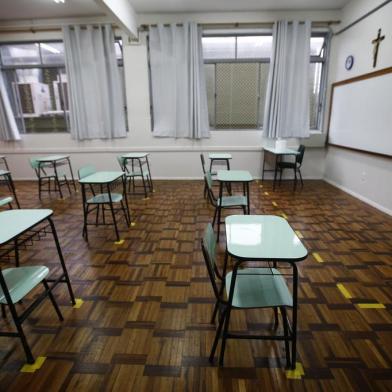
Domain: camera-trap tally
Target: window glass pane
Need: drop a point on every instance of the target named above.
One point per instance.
(263, 77)
(314, 92)
(218, 47)
(237, 94)
(18, 54)
(41, 98)
(316, 44)
(254, 46)
(52, 52)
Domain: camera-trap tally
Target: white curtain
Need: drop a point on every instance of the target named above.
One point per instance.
(286, 111)
(95, 93)
(178, 82)
(8, 128)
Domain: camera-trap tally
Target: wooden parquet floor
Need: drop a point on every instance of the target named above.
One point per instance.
(144, 323)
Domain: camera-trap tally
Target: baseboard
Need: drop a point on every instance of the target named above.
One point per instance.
(359, 196)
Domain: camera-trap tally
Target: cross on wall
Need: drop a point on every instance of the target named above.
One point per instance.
(376, 43)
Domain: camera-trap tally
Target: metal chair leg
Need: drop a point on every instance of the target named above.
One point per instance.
(52, 300)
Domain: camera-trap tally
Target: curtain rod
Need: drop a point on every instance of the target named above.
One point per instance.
(326, 23)
(47, 29)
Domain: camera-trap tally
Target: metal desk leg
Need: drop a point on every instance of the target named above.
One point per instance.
(262, 173)
(276, 171)
(72, 176)
(126, 199)
(248, 197)
(219, 201)
(85, 213)
(149, 175)
(11, 183)
(113, 213)
(65, 272)
(56, 178)
(294, 326)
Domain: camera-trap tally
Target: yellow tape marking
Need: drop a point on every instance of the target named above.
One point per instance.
(31, 368)
(146, 198)
(299, 234)
(78, 303)
(274, 203)
(344, 291)
(266, 193)
(133, 224)
(283, 215)
(120, 242)
(297, 373)
(260, 186)
(318, 257)
(371, 306)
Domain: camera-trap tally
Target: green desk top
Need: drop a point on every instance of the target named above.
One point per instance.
(285, 151)
(15, 222)
(219, 156)
(52, 158)
(234, 176)
(4, 172)
(102, 177)
(263, 237)
(135, 155)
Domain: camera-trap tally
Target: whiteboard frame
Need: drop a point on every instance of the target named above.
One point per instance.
(369, 75)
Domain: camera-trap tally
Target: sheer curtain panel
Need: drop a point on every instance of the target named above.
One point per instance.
(95, 94)
(178, 82)
(286, 112)
(8, 128)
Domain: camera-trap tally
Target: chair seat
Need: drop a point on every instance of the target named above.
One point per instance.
(103, 198)
(254, 290)
(5, 200)
(287, 165)
(231, 201)
(136, 174)
(20, 281)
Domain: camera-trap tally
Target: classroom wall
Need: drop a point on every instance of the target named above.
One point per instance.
(364, 176)
(170, 158)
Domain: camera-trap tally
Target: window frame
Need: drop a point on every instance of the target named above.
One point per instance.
(59, 67)
(323, 59)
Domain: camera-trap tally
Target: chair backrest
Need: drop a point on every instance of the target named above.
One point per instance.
(208, 181)
(203, 163)
(121, 160)
(300, 156)
(208, 246)
(34, 163)
(86, 171)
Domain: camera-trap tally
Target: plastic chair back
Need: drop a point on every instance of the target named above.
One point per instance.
(300, 156)
(34, 163)
(86, 171)
(121, 161)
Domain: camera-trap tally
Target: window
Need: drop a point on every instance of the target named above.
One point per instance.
(237, 67)
(35, 77)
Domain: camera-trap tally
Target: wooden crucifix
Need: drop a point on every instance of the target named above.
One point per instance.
(376, 43)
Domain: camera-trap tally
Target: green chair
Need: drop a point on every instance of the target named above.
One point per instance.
(295, 166)
(16, 284)
(245, 288)
(99, 200)
(227, 202)
(6, 201)
(45, 178)
(132, 173)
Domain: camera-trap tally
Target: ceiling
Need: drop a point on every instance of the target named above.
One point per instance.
(41, 9)
(152, 6)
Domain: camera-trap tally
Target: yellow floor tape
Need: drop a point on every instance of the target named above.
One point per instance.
(274, 203)
(133, 224)
(283, 215)
(318, 257)
(371, 306)
(297, 373)
(120, 242)
(266, 193)
(78, 303)
(299, 234)
(31, 368)
(344, 291)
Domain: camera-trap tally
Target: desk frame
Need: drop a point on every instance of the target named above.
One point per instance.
(141, 160)
(8, 179)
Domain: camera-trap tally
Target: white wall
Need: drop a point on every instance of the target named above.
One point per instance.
(365, 176)
(170, 158)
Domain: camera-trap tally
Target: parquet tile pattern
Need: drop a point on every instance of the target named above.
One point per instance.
(144, 323)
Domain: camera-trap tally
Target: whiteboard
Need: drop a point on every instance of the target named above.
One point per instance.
(361, 113)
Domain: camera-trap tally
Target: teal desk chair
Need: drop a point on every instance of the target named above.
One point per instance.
(295, 166)
(227, 202)
(45, 178)
(16, 284)
(98, 200)
(246, 288)
(6, 201)
(134, 169)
